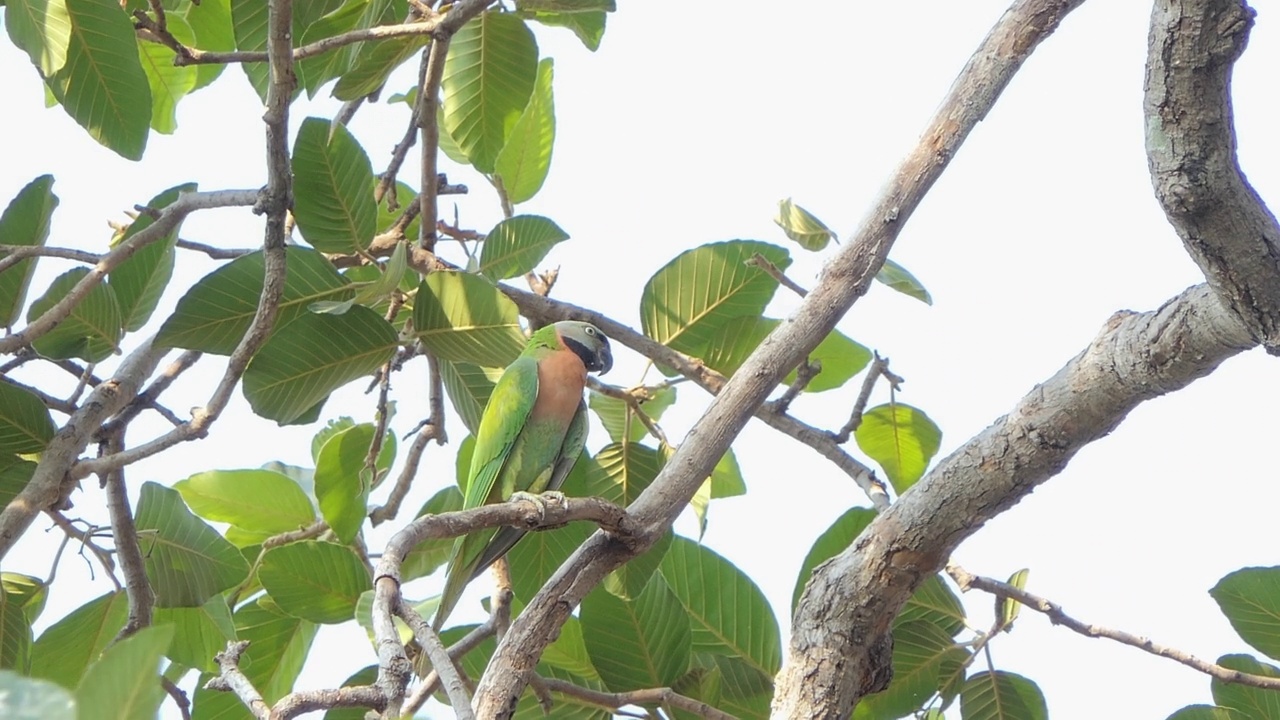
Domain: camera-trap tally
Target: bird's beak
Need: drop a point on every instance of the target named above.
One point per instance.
(604, 359)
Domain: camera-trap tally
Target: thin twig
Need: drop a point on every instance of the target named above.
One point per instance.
(428, 104)
(125, 534)
(13, 254)
(967, 581)
(633, 398)
(178, 696)
(432, 429)
(216, 253)
(776, 273)
(805, 373)
(440, 660)
(878, 367)
(431, 681)
(147, 398)
(646, 697)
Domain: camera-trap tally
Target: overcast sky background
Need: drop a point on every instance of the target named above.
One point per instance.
(687, 127)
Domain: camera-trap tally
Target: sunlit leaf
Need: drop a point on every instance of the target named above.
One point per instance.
(26, 592)
(621, 422)
(168, 83)
(525, 159)
(516, 245)
(1250, 598)
(124, 683)
(343, 482)
(897, 277)
(637, 644)
(42, 28)
(802, 226)
(468, 387)
(1001, 696)
(187, 561)
(1009, 608)
(316, 581)
(462, 318)
(902, 439)
(210, 22)
(15, 632)
(198, 633)
(588, 26)
(25, 222)
(259, 502)
(66, 649)
(333, 200)
(376, 65)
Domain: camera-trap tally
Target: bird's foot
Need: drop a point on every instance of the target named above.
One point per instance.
(553, 497)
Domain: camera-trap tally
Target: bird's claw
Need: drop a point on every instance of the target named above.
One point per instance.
(551, 496)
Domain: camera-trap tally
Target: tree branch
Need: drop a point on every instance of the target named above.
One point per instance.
(648, 696)
(10, 255)
(125, 533)
(233, 679)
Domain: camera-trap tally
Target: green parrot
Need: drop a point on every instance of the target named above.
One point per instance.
(531, 433)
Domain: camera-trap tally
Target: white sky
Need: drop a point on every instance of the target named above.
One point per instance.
(687, 127)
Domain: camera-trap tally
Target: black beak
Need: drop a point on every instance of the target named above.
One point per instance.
(603, 360)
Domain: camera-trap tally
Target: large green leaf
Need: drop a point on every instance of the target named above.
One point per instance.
(620, 421)
(278, 647)
(429, 555)
(923, 657)
(343, 482)
(92, 330)
(636, 644)
(101, 85)
(462, 318)
(333, 181)
(469, 387)
(313, 356)
(516, 245)
(621, 472)
(898, 278)
(802, 226)
(42, 28)
(15, 472)
(376, 65)
(1250, 598)
(15, 632)
(125, 682)
(198, 633)
(489, 75)
(187, 561)
(569, 651)
(66, 649)
(316, 581)
(697, 293)
(259, 502)
(524, 161)
(935, 603)
(730, 615)
(23, 698)
(841, 358)
(25, 222)
(902, 439)
(830, 543)
(215, 313)
(745, 690)
(1001, 696)
(211, 24)
(140, 280)
(386, 455)
(25, 423)
(168, 83)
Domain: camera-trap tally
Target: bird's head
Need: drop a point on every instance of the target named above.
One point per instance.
(587, 342)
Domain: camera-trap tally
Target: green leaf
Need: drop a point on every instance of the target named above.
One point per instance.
(730, 615)
(1207, 712)
(187, 561)
(802, 226)
(621, 472)
(65, 650)
(125, 683)
(620, 421)
(314, 72)
(588, 26)
(523, 164)
(386, 456)
(42, 28)
(636, 644)
(569, 651)
(489, 74)
(516, 245)
(101, 85)
(697, 293)
(343, 482)
(198, 633)
(211, 25)
(1001, 696)
(469, 387)
(27, 592)
(249, 26)
(404, 198)
(333, 200)
(841, 357)
(167, 82)
(726, 477)
(1250, 598)
(897, 277)
(140, 280)
(15, 632)
(25, 423)
(923, 654)
(260, 502)
(830, 543)
(92, 330)
(215, 313)
(376, 65)
(429, 555)
(316, 581)
(935, 603)
(313, 356)
(902, 439)
(31, 699)
(745, 690)
(14, 475)
(462, 318)
(1009, 608)
(25, 222)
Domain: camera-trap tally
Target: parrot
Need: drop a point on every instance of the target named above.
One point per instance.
(531, 433)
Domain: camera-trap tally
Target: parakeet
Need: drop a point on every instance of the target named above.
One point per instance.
(531, 433)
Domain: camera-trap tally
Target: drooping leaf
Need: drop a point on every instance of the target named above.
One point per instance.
(923, 654)
(25, 423)
(42, 28)
(1001, 695)
(489, 74)
(621, 422)
(215, 313)
(332, 186)
(376, 65)
(92, 330)
(167, 82)
(637, 644)
(101, 85)
(316, 581)
(198, 633)
(902, 439)
(249, 25)
(25, 222)
(386, 455)
(261, 503)
(65, 650)
(187, 561)
(1250, 598)
(313, 72)
(24, 698)
(1009, 608)
(830, 543)
(728, 612)
(525, 160)
(802, 226)
(140, 280)
(588, 26)
(897, 277)
(697, 293)
(516, 245)
(468, 387)
(726, 477)
(311, 357)
(343, 482)
(125, 682)
(26, 592)
(462, 318)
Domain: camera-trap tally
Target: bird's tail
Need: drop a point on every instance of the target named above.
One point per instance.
(454, 583)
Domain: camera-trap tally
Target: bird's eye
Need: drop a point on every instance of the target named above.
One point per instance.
(590, 331)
